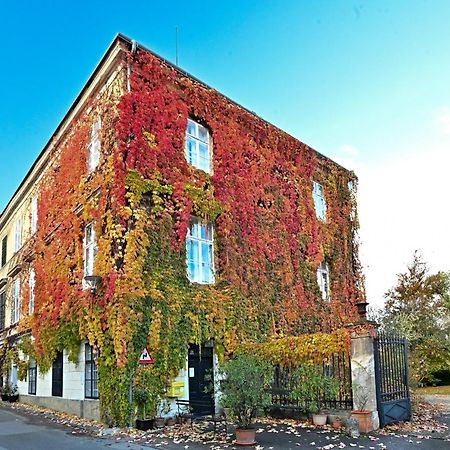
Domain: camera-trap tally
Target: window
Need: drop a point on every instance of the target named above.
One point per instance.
(31, 285)
(90, 249)
(57, 375)
(18, 235)
(15, 306)
(4, 250)
(32, 372)
(34, 217)
(198, 146)
(199, 251)
(319, 201)
(2, 309)
(90, 373)
(323, 280)
(94, 145)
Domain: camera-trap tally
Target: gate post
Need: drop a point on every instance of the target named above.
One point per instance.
(362, 362)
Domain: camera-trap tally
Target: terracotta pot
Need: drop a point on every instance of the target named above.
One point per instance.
(319, 419)
(336, 424)
(364, 418)
(245, 437)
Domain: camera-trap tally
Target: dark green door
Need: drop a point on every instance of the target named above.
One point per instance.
(200, 366)
(57, 375)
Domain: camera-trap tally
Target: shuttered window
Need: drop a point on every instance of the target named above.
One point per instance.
(2, 309)
(4, 250)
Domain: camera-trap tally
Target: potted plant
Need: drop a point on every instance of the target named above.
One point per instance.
(163, 408)
(244, 385)
(336, 423)
(310, 386)
(5, 392)
(14, 394)
(10, 393)
(361, 414)
(142, 398)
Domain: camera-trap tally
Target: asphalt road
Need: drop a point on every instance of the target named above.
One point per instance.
(25, 432)
(20, 430)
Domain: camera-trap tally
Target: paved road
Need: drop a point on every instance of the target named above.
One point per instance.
(20, 430)
(26, 432)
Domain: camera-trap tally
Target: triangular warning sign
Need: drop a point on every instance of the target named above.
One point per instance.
(145, 357)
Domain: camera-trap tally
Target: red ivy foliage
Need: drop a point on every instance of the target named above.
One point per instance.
(269, 241)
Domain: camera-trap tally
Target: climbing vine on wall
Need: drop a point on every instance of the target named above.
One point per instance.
(268, 242)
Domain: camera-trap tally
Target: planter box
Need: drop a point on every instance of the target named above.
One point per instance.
(365, 422)
(145, 424)
(13, 398)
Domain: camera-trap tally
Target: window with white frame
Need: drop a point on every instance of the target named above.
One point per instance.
(94, 145)
(18, 235)
(200, 252)
(319, 201)
(323, 280)
(90, 373)
(31, 285)
(198, 146)
(90, 249)
(34, 217)
(15, 304)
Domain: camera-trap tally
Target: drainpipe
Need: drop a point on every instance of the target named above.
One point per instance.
(133, 52)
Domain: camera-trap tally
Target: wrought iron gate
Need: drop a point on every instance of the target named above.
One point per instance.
(391, 375)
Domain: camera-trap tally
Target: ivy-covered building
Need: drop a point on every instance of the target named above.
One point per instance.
(163, 215)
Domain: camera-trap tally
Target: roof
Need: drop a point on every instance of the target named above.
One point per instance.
(120, 38)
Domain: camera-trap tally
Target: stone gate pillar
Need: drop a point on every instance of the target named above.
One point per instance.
(363, 373)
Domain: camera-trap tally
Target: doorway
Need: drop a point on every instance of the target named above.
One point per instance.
(57, 375)
(201, 379)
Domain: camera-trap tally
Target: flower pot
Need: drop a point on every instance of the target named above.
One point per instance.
(336, 424)
(160, 422)
(364, 419)
(319, 419)
(245, 436)
(145, 424)
(170, 421)
(13, 398)
(5, 397)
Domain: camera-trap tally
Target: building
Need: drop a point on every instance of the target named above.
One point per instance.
(163, 215)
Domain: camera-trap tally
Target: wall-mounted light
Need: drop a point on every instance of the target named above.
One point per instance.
(93, 282)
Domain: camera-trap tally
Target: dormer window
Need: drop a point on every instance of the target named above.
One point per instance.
(93, 156)
(198, 146)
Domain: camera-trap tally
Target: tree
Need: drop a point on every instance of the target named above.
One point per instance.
(418, 307)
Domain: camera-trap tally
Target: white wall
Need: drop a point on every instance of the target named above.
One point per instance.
(73, 379)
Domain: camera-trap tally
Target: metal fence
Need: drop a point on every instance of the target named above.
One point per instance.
(338, 367)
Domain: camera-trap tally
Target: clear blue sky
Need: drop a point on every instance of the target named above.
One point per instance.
(361, 79)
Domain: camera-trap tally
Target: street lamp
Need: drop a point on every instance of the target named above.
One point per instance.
(93, 282)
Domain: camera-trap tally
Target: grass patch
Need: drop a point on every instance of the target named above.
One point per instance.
(434, 390)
